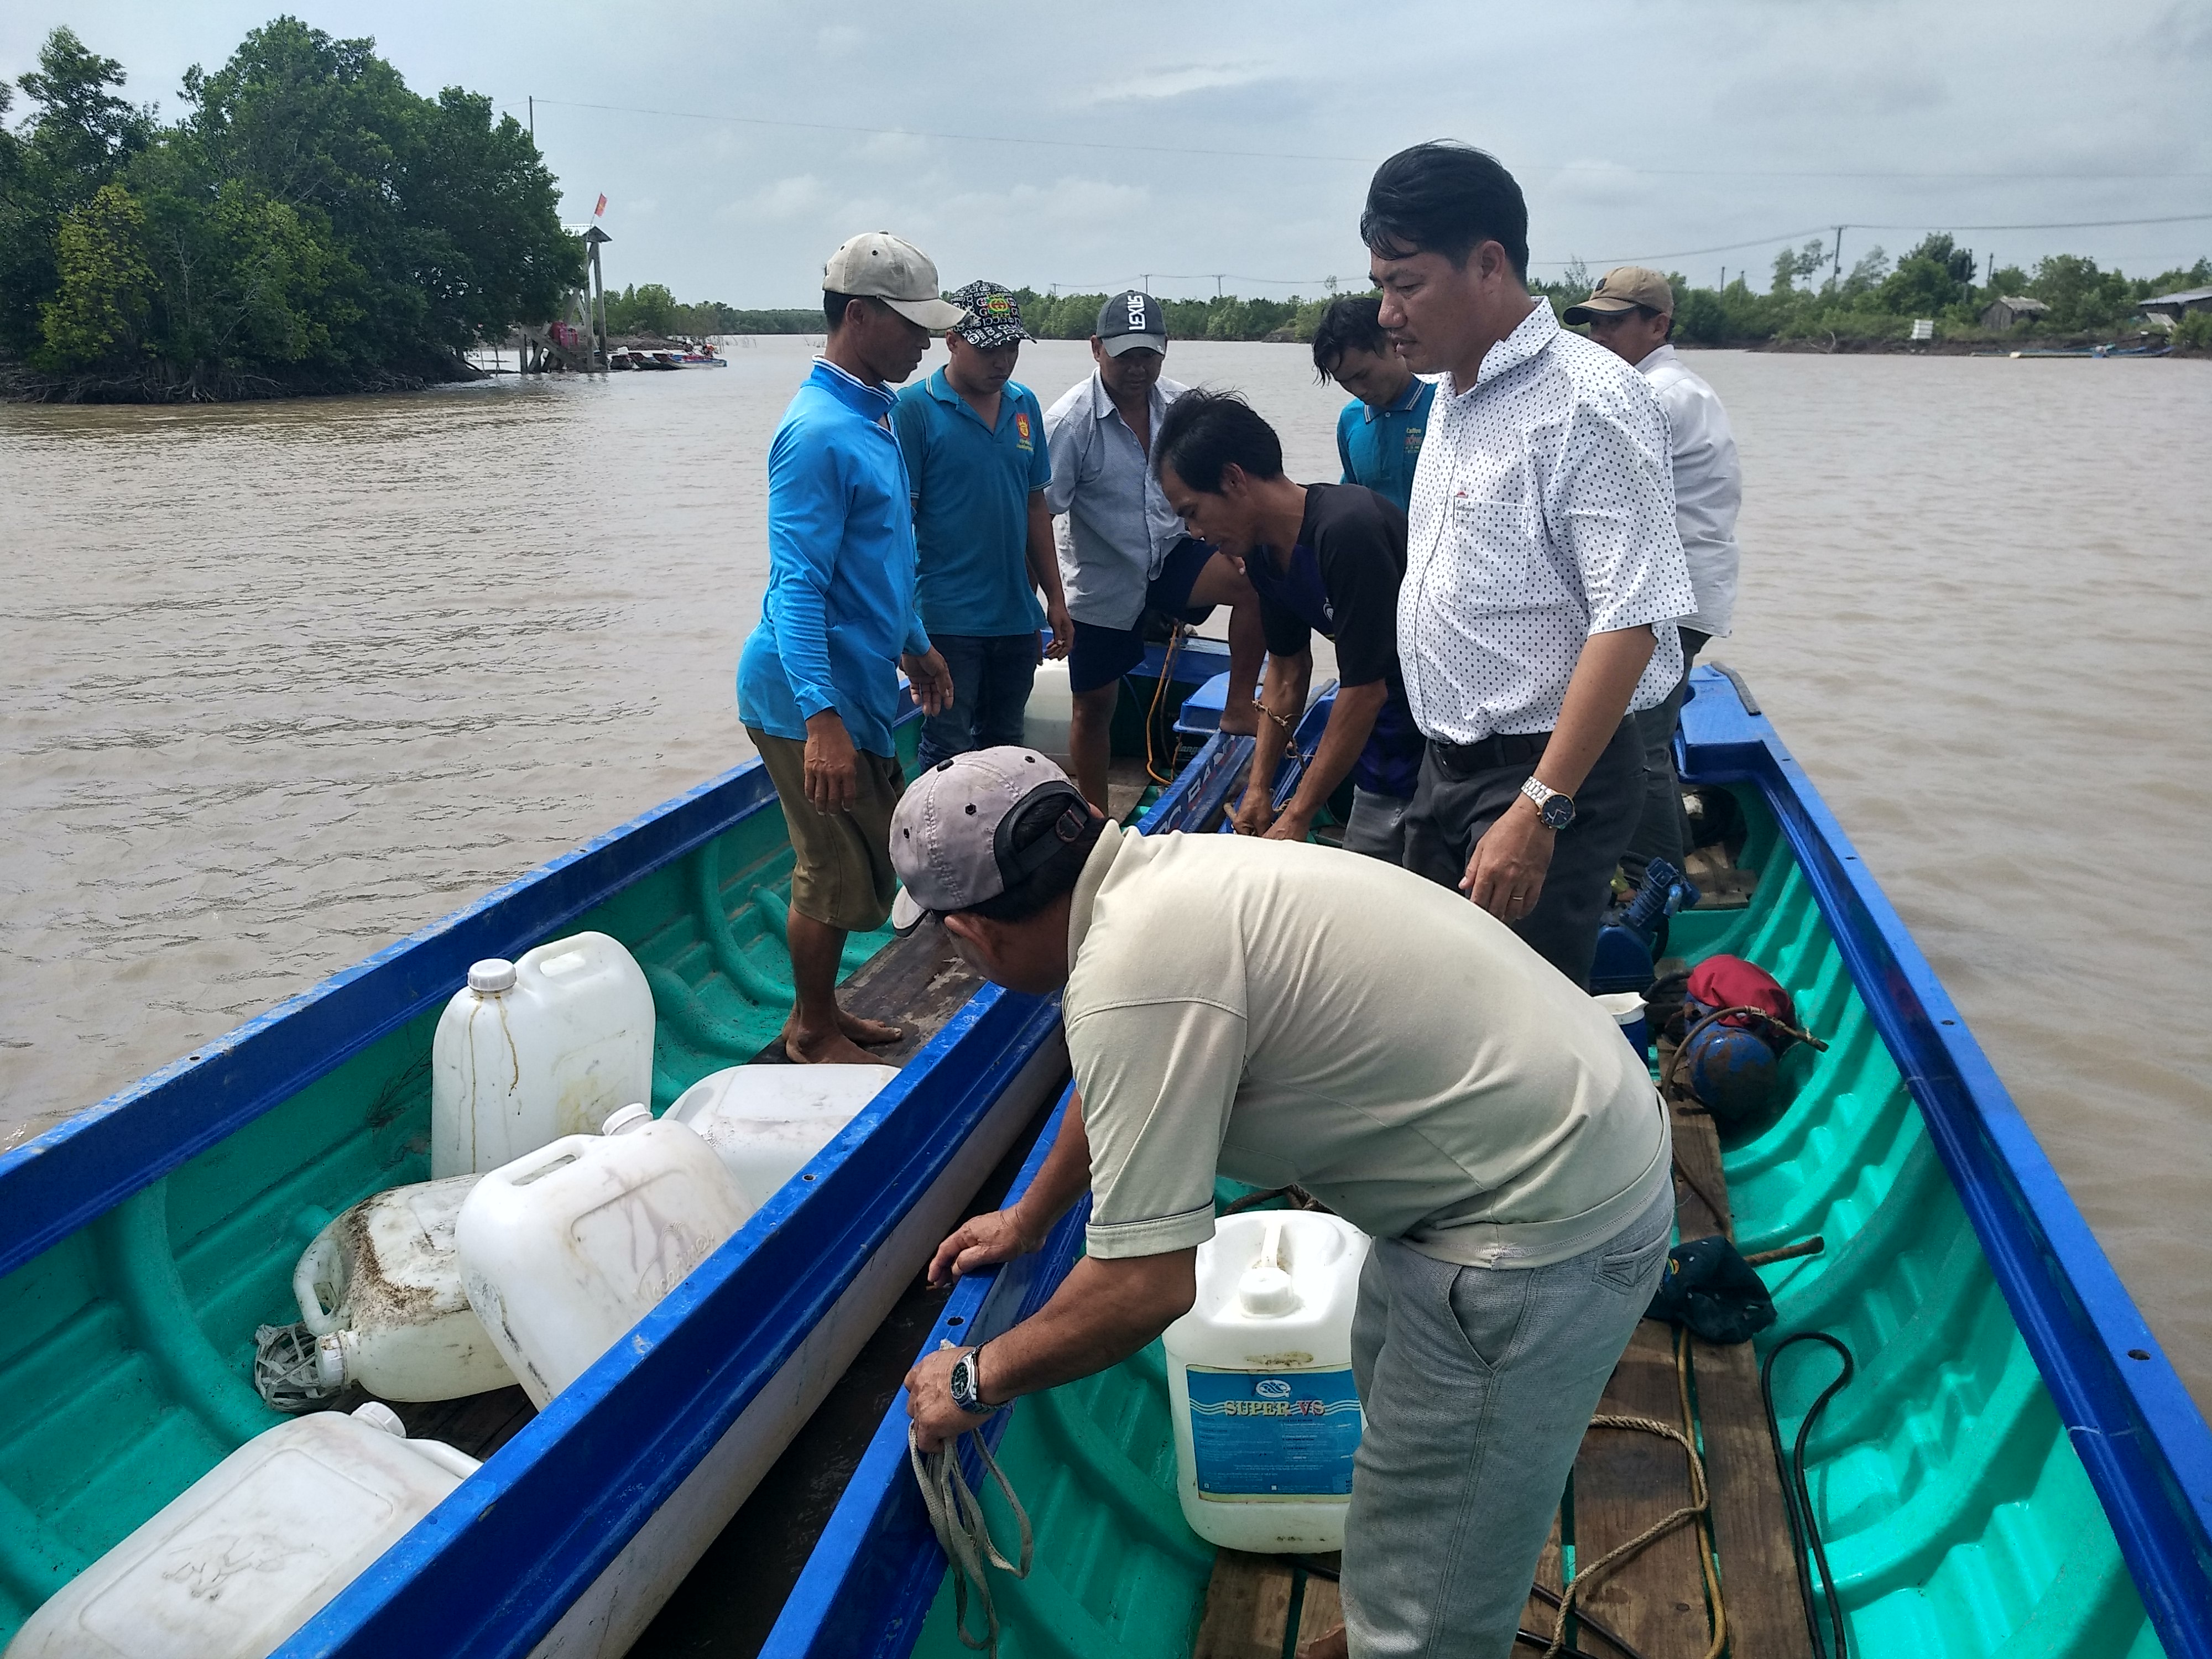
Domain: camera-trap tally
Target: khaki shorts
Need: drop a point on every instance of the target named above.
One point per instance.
(840, 875)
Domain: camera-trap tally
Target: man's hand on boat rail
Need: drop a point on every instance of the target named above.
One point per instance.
(982, 1240)
(931, 680)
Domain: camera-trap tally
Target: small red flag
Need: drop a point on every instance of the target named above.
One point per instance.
(602, 207)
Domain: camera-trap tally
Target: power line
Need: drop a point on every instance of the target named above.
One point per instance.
(1294, 156)
(1792, 235)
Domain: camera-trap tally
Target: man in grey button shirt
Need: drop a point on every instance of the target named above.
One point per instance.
(1122, 550)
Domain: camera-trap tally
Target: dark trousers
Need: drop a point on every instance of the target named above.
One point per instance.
(1451, 810)
(990, 677)
(1663, 830)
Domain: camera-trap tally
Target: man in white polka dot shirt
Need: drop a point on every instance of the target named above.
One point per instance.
(1544, 571)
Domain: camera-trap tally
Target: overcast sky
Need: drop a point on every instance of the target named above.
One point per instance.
(1235, 137)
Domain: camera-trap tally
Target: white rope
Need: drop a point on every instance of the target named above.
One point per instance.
(956, 1515)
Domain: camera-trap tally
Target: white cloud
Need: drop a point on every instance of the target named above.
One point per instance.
(1158, 84)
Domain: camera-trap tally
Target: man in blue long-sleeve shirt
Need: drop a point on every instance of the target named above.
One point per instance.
(817, 685)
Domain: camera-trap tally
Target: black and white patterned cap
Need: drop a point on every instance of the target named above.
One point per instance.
(994, 318)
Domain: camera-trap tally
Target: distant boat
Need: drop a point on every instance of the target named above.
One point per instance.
(2087, 351)
(704, 357)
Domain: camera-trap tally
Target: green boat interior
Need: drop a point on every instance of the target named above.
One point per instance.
(1956, 1515)
(126, 1350)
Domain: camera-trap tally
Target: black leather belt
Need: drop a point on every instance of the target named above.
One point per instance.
(1500, 749)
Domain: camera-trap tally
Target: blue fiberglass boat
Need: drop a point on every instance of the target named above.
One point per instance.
(2015, 1469)
(144, 1240)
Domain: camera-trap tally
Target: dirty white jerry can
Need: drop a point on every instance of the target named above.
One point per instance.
(531, 1050)
(568, 1247)
(1050, 710)
(1260, 1379)
(253, 1548)
(380, 1289)
(767, 1122)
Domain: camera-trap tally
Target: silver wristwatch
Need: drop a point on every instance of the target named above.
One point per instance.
(966, 1390)
(1557, 811)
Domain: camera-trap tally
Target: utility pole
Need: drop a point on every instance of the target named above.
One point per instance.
(1839, 254)
(1724, 287)
(1217, 285)
(533, 117)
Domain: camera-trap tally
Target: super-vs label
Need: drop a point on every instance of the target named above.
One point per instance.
(1288, 1434)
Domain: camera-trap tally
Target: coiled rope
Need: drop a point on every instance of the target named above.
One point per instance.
(956, 1515)
(1698, 1509)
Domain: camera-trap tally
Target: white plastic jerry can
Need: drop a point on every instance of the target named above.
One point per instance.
(252, 1549)
(1050, 714)
(1260, 1380)
(767, 1122)
(537, 1048)
(568, 1247)
(380, 1289)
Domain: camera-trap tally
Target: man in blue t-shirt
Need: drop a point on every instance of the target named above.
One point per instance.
(977, 464)
(1378, 434)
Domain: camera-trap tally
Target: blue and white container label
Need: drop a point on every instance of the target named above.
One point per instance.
(1258, 1434)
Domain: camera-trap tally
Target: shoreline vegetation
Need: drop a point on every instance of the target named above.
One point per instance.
(309, 225)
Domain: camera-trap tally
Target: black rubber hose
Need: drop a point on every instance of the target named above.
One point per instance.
(1804, 1533)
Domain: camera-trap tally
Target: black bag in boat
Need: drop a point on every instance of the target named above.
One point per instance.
(1711, 1289)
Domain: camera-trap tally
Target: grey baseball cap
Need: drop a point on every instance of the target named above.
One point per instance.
(952, 837)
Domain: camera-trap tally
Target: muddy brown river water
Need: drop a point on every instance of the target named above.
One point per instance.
(280, 683)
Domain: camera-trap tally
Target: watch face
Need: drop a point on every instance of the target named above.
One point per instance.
(1557, 811)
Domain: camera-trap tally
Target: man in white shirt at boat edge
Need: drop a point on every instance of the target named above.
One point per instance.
(1544, 572)
(1631, 312)
(1343, 1025)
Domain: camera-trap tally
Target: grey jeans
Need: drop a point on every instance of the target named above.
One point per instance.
(1475, 1386)
(1451, 810)
(1376, 826)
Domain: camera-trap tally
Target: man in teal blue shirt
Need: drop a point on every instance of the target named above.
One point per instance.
(818, 684)
(1378, 434)
(977, 464)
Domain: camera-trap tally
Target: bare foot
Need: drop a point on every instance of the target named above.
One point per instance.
(868, 1033)
(1335, 1645)
(1241, 722)
(822, 1049)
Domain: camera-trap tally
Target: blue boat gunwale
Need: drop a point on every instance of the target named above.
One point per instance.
(692, 1365)
(2140, 1436)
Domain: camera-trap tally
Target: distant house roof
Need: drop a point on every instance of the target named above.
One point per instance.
(2180, 300)
(2026, 306)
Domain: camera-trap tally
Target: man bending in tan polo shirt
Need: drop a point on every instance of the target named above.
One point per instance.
(1280, 1013)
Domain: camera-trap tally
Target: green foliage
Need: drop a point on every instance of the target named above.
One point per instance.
(100, 305)
(308, 224)
(2194, 331)
(1791, 264)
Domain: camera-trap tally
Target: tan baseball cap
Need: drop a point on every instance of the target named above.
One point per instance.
(1622, 287)
(889, 268)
